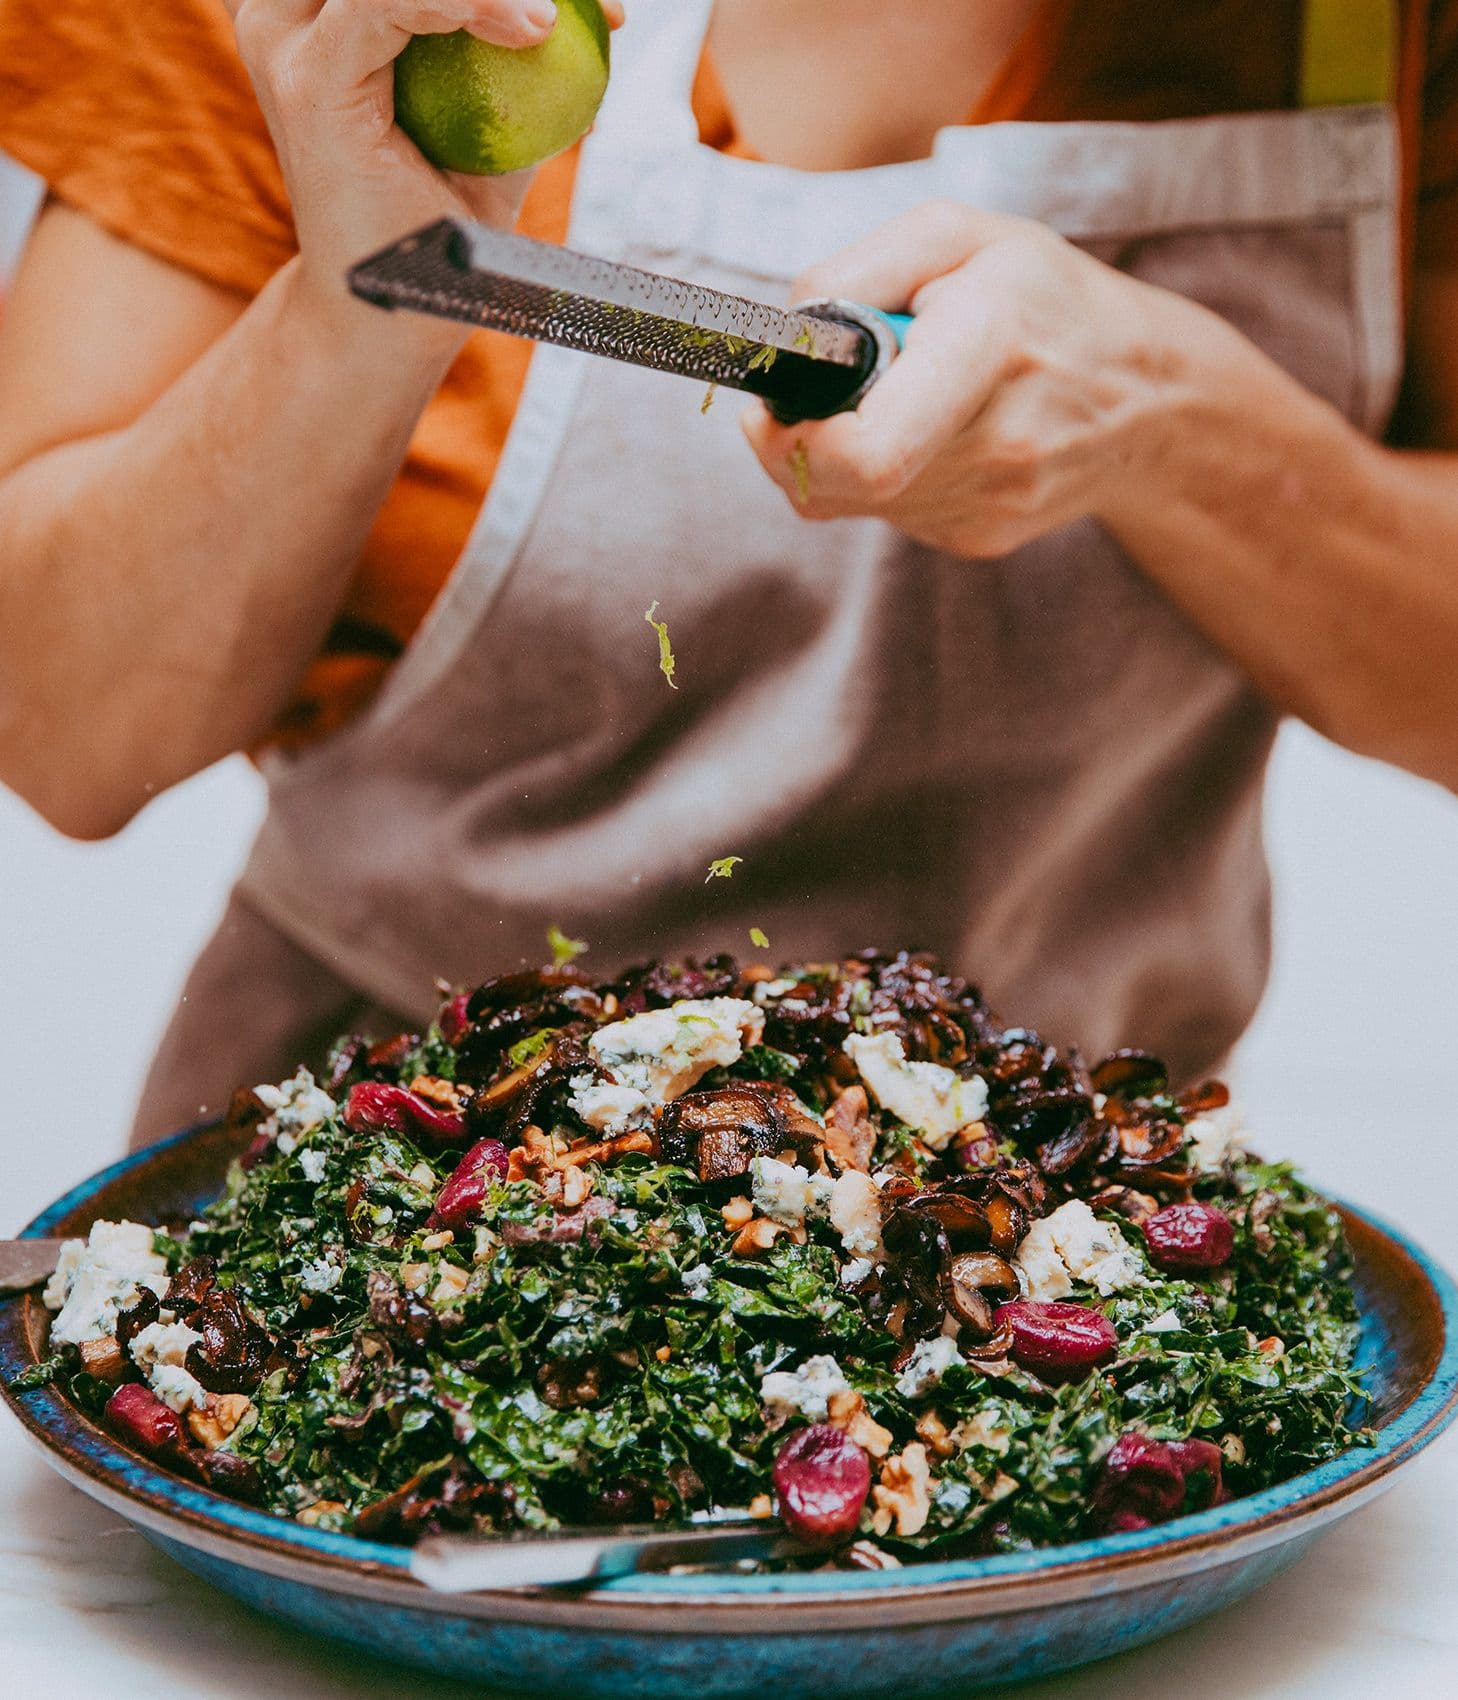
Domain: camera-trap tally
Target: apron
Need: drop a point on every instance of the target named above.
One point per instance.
(1034, 766)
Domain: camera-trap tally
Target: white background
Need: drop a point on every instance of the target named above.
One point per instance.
(1352, 1067)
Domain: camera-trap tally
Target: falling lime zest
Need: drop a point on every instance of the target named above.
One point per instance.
(799, 459)
(763, 358)
(722, 868)
(805, 338)
(563, 949)
(757, 938)
(666, 663)
(708, 400)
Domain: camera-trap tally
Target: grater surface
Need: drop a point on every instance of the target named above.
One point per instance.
(804, 364)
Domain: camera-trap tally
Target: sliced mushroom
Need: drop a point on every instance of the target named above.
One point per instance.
(1130, 1074)
(1209, 1095)
(974, 1283)
(1126, 1201)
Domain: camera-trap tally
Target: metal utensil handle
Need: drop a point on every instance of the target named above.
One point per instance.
(26, 1263)
(806, 364)
(461, 1564)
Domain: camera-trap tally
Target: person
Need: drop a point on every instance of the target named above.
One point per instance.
(991, 666)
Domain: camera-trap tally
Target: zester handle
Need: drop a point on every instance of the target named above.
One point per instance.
(886, 337)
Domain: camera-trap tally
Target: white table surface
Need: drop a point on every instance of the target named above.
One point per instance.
(1349, 1069)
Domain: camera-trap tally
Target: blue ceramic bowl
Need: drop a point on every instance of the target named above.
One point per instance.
(916, 1631)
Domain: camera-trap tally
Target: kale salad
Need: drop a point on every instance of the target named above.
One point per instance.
(832, 1245)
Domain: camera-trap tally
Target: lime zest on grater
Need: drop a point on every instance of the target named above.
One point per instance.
(806, 364)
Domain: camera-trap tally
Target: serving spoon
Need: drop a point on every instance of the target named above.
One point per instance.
(466, 1564)
(26, 1263)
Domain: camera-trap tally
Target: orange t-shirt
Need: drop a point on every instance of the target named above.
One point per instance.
(140, 114)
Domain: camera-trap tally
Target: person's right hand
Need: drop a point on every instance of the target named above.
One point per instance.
(323, 71)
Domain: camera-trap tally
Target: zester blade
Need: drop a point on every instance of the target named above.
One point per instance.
(806, 364)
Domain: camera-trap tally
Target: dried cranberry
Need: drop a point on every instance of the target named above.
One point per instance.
(1148, 1481)
(375, 1106)
(626, 1500)
(1058, 1342)
(139, 1416)
(453, 1019)
(822, 1478)
(462, 1196)
(1201, 1458)
(391, 1053)
(1189, 1238)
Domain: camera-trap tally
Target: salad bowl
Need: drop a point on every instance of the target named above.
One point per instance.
(919, 1630)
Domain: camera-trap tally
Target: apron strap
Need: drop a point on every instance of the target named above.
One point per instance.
(1348, 52)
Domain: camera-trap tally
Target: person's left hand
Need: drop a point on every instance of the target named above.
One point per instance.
(1037, 385)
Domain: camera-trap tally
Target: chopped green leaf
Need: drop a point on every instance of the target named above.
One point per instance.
(723, 868)
(564, 950)
(666, 663)
(527, 1050)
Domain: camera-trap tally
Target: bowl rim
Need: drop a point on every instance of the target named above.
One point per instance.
(181, 1511)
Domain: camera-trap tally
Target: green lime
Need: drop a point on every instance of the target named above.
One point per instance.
(469, 106)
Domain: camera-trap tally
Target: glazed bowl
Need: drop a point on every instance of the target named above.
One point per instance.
(922, 1630)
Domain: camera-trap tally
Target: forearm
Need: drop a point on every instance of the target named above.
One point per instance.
(164, 586)
(1324, 564)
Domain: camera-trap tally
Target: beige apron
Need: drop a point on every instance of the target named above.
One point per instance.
(1035, 766)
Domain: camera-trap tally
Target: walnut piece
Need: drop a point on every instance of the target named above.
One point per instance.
(902, 1497)
(444, 1094)
(934, 1434)
(737, 1213)
(850, 1133)
(452, 1283)
(759, 1235)
(846, 1410)
(212, 1425)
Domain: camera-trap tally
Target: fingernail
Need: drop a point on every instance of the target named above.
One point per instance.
(541, 14)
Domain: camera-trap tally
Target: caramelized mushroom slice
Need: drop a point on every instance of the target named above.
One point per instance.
(1007, 1221)
(1133, 1206)
(1130, 1074)
(963, 1220)
(502, 1094)
(1209, 1095)
(974, 1283)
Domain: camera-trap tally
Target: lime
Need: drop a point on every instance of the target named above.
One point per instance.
(469, 106)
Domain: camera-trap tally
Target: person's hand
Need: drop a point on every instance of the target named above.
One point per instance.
(1037, 385)
(323, 71)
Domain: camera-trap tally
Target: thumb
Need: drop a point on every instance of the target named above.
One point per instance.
(886, 268)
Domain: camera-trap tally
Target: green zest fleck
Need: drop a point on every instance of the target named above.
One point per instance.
(757, 938)
(763, 358)
(666, 663)
(799, 458)
(564, 950)
(805, 339)
(723, 868)
(527, 1050)
(708, 400)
